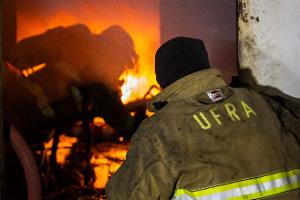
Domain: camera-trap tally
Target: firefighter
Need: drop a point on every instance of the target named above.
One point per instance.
(207, 140)
(79, 67)
(73, 54)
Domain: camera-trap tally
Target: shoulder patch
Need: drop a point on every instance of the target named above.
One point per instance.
(215, 95)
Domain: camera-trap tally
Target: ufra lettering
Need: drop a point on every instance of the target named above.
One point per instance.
(231, 111)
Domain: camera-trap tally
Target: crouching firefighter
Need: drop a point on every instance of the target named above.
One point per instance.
(208, 141)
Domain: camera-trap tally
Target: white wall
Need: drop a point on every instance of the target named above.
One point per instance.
(269, 42)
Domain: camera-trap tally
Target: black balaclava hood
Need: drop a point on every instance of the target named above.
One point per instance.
(179, 57)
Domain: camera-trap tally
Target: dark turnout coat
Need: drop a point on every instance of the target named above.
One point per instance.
(210, 141)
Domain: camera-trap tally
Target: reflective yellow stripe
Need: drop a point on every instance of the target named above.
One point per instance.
(268, 192)
(252, 188)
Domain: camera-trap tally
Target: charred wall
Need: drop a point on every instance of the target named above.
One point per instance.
(269, 40)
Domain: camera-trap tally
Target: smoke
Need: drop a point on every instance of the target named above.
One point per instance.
(98, 15)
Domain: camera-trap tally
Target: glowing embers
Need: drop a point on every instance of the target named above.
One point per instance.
(27, 72)
(98, 121)
(106, 160)
(64, 148)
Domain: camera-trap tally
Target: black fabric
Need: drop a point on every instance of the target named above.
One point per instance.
(179, 57)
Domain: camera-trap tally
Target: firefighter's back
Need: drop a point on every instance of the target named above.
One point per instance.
(234, 148)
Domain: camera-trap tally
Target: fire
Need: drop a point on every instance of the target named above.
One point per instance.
(32, 70)
(64, 148)
(141, 20)
(142, 26)
(98, 121)
(107, 159)
(133, 87)
(137, 86)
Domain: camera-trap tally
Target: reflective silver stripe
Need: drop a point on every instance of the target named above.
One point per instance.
(252, 191)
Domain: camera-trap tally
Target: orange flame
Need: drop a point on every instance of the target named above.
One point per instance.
(136, 86)
(142, 26)
(107, 161)
(27, 72)
(98, 121)
(130, 16)
(133, 87)
(64, 148)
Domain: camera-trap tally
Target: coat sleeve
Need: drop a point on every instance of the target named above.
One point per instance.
(144, 174)
(286, 107)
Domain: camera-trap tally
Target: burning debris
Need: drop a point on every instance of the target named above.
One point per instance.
(106, 159)
(29, 71)
(67, 80)
(133, 88)
(79, 75)
(63, 150)
(66, 76)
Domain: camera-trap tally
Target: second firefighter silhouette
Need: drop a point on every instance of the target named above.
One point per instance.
(81, 73)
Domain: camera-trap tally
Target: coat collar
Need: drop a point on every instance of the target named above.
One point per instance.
(188, 86)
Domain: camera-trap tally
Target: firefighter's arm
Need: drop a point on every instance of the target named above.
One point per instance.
(286, 107)
(144, 175)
